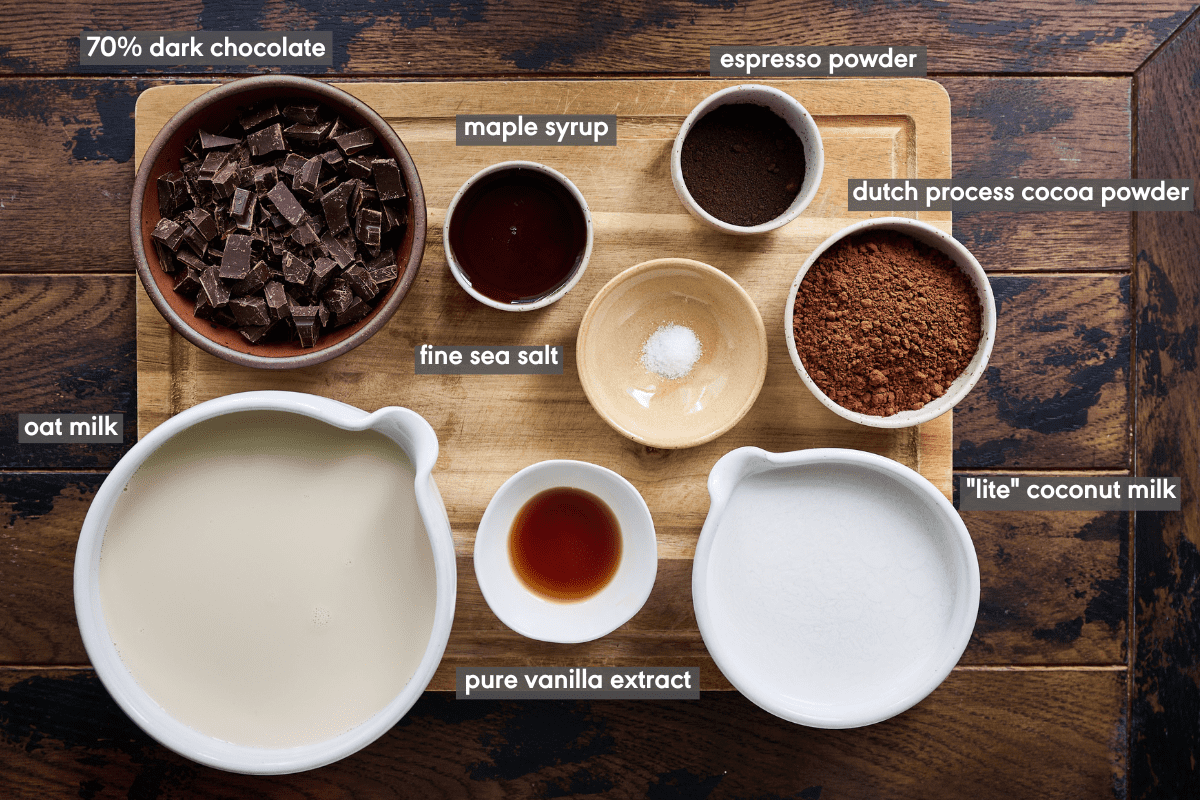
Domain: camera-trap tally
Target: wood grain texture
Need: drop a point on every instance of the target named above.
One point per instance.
(983, 734)
(1043, 129)
(462, 38)
(1166, 701)
(67, 174)
(1056, 391)
(68, 347)
(1054, 591)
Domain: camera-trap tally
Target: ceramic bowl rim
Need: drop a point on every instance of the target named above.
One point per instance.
(708, 271)
(966, 261)
(489, 575)
(547, 299)
(421, 448)
(951, 646)
(228, 93)
(814, 153)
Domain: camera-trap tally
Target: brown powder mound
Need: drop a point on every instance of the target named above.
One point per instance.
(884, 323)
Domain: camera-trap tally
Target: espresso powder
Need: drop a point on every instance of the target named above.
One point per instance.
(743, 164)
(884, 323)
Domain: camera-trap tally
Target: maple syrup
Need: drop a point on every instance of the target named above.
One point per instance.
(565, 544)
(518, 235)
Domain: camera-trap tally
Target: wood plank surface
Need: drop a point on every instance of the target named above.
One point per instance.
(1166, 697)
(1057, 734)
(487, 36)
(1054, 591)
(1056, 391)
(68, 348)
(1043, 129)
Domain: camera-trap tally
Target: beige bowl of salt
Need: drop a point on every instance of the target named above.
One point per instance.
(672, 353)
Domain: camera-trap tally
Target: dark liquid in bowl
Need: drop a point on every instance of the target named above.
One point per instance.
(518, 235)
(565, 544)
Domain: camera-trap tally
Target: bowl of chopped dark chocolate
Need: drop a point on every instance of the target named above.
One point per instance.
(277, 222)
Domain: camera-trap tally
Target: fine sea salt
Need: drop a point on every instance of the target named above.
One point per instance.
(671, 351)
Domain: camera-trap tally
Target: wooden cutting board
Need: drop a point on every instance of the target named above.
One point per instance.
(489, 427)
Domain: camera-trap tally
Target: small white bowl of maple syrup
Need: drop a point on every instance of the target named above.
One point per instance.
(566, 552)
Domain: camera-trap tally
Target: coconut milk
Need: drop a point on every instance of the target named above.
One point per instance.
(267, 578)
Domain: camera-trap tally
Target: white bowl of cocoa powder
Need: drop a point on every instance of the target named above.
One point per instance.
(890, 322)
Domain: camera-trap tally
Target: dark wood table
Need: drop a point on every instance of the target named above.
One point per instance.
(1081, 679)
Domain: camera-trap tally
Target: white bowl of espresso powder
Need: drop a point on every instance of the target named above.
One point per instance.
(747, 160)
(890, 322)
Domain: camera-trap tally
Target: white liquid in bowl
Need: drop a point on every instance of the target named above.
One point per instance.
(833, 587)
(267, 578)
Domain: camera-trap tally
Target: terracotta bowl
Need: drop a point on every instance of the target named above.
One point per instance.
(721, 386)
(213, 111)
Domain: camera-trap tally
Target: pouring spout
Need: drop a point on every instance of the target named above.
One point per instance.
(732, 468)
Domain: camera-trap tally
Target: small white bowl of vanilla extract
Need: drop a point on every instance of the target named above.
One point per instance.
(566, 552)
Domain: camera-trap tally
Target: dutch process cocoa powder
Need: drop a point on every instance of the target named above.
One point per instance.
(884, 323)
(743, 164)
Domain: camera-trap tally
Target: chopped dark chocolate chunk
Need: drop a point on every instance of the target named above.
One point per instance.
(286, 204)
(334, 203)
(307, 135)
(309, 175)
(276, 298)
(305, 234)
(292, 164)
(203, 309)
(388, 182)
(189, 260)
(268, 140)
(245, 220)
(307, 330)
(334, 158)
(249, 311)
(355, 141)
(210, 141)
(321, 272)
(369, 227)
(225, 181)
(166, 259)
(384, 277)
(188, 282)
(359, 168)
(258, 276)
(338, 296)
(214, 291)
(235, 262)
(353, 313)
(361, 282)
(295, 269)
(394, 217)
(213, 162)
(337, 250)
(256, 333)
(172, 193)
(195, 240)
(265, 178)
(303, 112)
(169, 233)
(237, 206)
(258, 115)
(203, 222)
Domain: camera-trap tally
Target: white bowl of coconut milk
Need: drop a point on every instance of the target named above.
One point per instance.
(265, 583)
